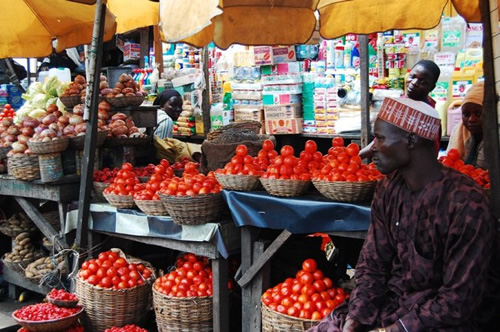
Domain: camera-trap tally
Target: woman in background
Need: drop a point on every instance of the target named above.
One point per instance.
(467, 136)
(170, 102)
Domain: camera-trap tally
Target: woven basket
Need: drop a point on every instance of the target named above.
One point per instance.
(24, 167)
(4, 151)
(120, 201)
(18, 266)
(239, 182)
(344, 191)
(126, 101)
(285, 188)
(78, 142)
(71, 101)
(183, 314)
(97, 193)
(197, 210)
(129, 141)
(49, 325)
(61, 303)
(273, 321)
(151, 207)
(52, 146)
(105, 308)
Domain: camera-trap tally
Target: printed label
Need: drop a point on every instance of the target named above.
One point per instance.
(460, 88)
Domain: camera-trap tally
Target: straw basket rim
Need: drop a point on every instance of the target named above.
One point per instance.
(239, 181)
(151, 207)
(285, 187)
(120, 201)
(346, 191)
(78, 142)
(181, 298)
(266, 311)
(62, 303)
(193, 210)
(71, 101)
(52, 146)
(126, 101)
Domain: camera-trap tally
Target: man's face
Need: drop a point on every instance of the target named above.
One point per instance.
(173, 107)
(471, 118)
(390, 148)
(419, 83)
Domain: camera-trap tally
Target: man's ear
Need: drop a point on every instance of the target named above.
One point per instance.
(412, 140)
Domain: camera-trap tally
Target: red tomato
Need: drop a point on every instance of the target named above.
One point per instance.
(286, 151)
(352, 149)
(337, 141)
(453, 154)
(267, 145)
(241, 150)
(309, 265)
(311, 146)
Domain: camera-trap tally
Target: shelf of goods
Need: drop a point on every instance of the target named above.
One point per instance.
(213, 240)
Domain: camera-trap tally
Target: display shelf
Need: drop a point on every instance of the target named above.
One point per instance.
(194, 138)
(15, 279)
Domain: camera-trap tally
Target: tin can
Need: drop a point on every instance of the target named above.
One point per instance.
(50, 167)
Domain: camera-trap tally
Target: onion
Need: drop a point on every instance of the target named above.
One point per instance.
(132, 130)
(48, 133)
(46, 139)
(64, 119)
(105, 92)
(10, 138)
(80, 128)
(28, 151)
(75, 119)
(57, 113)
(18, 147)
(52, 108)
(54, 126)
(13, 130)
(119, 116)
(3, 134)
(7, 122)
(22, 139)
(121, 130)
(48, 119)
(40, 128)
(69, 131)
(78, 109)
(102, 115)
(30, 123)
(27, 131)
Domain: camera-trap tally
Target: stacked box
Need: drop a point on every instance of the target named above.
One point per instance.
(131, 51)
(247, 99)
(326, 112)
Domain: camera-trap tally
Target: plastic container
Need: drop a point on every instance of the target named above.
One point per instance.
(347, 55)
(339, 55)
(330, 54)
(454, 115)
(62, 74)
(452, 34)
(50, 167)
(461, 81)
(42, 76)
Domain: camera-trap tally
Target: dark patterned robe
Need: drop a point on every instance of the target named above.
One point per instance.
(425, 261)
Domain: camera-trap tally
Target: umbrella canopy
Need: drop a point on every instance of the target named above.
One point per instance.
(133, 14)
(268, 22)
(29, 26)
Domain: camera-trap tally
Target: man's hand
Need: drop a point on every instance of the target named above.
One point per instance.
(353, 326)
(391, 328)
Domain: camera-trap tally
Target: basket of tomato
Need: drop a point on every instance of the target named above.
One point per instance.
(126, 328)
(148, 199)
(46, 317)
(120, 192)
(182, 299)
(114, 290)
(61, 298)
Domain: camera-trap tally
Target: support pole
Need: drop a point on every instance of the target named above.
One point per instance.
(90, 116)
(365, 95)
(205, 95)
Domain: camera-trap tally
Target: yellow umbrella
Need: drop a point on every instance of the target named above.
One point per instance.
(29, 26)
(133, 14)
(268, 22)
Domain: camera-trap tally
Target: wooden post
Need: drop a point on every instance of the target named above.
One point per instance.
(158, 49)
(144, 35)
(259, 283)
(205, 95)
(248, 236)
(90, 115)
(220, 295)
(365, 100)
(491, 127)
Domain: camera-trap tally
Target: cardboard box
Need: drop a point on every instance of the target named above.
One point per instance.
(131, 51)
(283, 111)
(281, 99)
(263, 55)
(284, 54)
(281, 68)
(248, 115)
(284, 126)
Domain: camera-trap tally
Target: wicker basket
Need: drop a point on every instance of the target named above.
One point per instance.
(273, 321)
(49, 325)
(18, 266)
(151, 207)
(197, 210)
(239, 182)
(24, 167)
(105, 308)
(53, 146)
(129, 141)
(62, 303)
(285, 188)
(78, 142)
(98, 191)
(5, 229)
(344, 191)
(126, 101)
(120, 201)
(183, 314)
(71, 101)
(4, 151)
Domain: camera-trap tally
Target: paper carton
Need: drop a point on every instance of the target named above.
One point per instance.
(284, 126)
(131, 51)
(263, 55)
(284, 54)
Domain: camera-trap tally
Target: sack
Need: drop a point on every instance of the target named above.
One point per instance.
(174, 150)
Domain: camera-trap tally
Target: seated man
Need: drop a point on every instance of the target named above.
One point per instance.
(425, 262)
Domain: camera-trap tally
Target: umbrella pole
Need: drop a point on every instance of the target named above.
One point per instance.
(365, 98)
(83, 236)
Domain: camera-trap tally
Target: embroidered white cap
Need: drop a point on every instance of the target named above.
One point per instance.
(412, 116)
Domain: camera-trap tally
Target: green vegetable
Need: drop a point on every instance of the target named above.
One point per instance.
(39, 100)
(61, 106)
(38, 113)
(50, 87)
(51, 101)
(61, 88)
(33, 89)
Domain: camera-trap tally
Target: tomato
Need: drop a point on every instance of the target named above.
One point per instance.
(241, 150)
(319, 285)
(93, 280)
(316, 316)
(286, 151)
(127, 167)
(352, 149)
(453, 154)
(311, 146)
(267, 145)
(328, 282)
(309, 265)
(337, 141)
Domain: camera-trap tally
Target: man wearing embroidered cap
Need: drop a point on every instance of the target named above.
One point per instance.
(425, 262)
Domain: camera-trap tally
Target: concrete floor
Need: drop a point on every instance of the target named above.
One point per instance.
(8, 306)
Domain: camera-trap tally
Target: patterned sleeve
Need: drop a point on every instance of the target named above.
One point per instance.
(165, 125)
(466, 261)
(373, 268)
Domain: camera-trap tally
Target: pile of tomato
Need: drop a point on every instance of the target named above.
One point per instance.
(61, 295)
(44, 311)
(453, 160)
(178, 165)
(342, 163)
(7, 112)
(242, 163)
(75, 328)
(125, 182)
(192, 183)
(266, 155)
(161, 172)
(310, 295)
(126, 328)
(110, 270)
(107, 175)
(192, 277)
(286, 166)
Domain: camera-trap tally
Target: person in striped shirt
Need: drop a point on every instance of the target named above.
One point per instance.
(170, 102)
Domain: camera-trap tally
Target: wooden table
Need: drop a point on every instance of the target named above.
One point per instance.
(62, 191)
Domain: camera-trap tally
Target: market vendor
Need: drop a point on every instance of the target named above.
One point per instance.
(419, 83)
(425, 263)
(170, 102)
(467, 136)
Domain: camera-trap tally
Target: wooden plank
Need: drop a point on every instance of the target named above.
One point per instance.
(40, 221)
(262, 260)
(365, 100)
(248, 235)
(144, 36)
(259, 283)
(17, 279)
(59, 193)
(91, 103)
(199, 248)
(220, 295)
